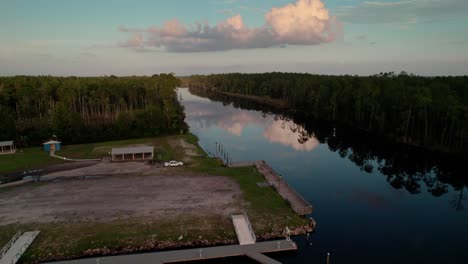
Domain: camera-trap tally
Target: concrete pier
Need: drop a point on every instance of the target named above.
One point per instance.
(241, 164)
(254, 251)
(298, 203)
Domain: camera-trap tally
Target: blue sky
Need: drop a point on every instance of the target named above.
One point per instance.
(90, 38)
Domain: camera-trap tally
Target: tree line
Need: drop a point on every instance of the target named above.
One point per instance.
(404, 166)
(424, 111)
(88, 109)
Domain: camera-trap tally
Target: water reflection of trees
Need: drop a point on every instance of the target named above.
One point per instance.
(405, 167)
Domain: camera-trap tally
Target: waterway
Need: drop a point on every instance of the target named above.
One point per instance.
(375, 201)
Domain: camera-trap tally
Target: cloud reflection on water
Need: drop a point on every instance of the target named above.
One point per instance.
(276, 130)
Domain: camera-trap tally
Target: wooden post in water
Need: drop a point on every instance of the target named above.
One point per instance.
(279, 184)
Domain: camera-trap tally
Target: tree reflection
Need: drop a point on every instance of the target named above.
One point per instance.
(457, 201)
(405, 167)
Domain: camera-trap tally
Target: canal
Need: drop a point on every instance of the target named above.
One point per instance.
(374, 201)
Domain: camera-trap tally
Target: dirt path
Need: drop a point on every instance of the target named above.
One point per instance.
(189, 149)
(119, 197)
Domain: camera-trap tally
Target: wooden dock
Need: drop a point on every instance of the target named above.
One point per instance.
(254, 251)
(298, 203)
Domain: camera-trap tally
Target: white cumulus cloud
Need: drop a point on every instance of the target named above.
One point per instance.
(305, 22)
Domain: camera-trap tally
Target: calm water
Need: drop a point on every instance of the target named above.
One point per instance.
(373, 202)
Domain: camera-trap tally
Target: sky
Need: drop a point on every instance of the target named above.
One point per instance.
(145, 37)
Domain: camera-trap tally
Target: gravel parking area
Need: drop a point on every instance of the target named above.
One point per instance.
(117, 197)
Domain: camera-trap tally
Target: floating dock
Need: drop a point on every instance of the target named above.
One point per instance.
(298, 203)
(254, 251)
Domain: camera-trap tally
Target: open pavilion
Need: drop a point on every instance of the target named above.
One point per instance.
(132, 153)
(7, 147)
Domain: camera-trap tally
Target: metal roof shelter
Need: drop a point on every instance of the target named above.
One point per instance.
(51, 142)
(132, 153)
(7, 147)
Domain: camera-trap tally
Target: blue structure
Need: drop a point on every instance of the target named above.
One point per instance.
(52, 145)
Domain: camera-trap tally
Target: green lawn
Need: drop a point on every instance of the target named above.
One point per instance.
(34, 158)
(77, 239)
(28, 158)
(267, 211)
(102, 149)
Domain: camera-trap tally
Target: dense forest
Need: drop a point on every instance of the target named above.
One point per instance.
(87, 109)
(424, 111)
(405, 167)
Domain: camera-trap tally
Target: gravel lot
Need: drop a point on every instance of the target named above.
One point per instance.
(117, 197)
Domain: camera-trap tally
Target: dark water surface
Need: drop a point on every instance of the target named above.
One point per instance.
(374, 201)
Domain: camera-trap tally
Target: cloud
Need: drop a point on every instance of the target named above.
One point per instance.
(305, 22)
(236, 123)
(226, 12)
(288, 133)
(410, 11)
(361, 37)
(226, 2)
(202, 113)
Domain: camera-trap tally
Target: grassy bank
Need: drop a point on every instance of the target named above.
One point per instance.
(35, 158)
(268, 212)
(65, 240)
(266, 209)
(24, 159)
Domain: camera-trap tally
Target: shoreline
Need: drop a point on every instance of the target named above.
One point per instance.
(281, 105)
(179, 245)
(277, 104)
(65, 240)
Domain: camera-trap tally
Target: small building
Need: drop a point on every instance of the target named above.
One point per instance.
(132, 153)
(7, 147)
(52, 145)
